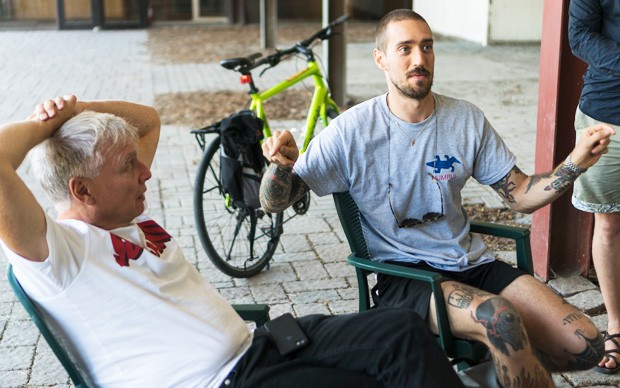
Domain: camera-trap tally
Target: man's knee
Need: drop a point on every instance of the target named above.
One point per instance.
(576, 344)
(502, 324)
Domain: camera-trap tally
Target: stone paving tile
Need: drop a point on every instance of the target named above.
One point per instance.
(590, 302)
(600, 321)
(20, 333)
(311, 308)
(310, 269)
(270, 293)
(333, 252)
(570, 286)
(15, 358)
(305, 297)
(16, 377)
(46, 369)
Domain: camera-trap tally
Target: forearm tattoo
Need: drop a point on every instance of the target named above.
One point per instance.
(502, 323)
(534, 180)
(507, 185)
(565, 177)
(281, 187)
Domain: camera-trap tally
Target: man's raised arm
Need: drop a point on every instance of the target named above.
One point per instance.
(22, 221)
(280, 186)
(525, 193)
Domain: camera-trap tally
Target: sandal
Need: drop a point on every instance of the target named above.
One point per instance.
(609, 355)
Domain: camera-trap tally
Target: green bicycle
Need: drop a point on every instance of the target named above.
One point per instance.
(239, 240)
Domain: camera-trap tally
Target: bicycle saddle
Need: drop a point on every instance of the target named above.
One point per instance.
(234, 63)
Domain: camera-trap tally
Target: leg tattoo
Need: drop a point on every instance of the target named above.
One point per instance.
(503, 324)
(590, 356)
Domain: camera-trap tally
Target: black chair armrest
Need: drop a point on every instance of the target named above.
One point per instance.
(519, 234)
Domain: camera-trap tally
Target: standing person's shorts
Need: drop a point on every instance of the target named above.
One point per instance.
(598, 189)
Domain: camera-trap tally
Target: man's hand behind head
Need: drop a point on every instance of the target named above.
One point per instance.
(49, 109)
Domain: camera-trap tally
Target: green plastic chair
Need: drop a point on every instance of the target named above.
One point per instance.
(258, 313)
(464, 353)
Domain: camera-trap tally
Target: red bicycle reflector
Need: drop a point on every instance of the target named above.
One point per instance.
(245, 79)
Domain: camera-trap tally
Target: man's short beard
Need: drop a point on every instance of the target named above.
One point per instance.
(413, 92)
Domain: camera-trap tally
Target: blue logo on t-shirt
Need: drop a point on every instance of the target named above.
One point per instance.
(439, 164)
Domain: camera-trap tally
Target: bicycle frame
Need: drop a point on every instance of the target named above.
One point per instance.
(255, 234)
(321, 100)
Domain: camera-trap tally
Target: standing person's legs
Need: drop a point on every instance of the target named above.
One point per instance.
(391, 346)
(606, 258)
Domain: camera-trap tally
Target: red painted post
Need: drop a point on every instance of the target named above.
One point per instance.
(561, 235)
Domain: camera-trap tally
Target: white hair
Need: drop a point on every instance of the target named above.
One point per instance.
(76, 150)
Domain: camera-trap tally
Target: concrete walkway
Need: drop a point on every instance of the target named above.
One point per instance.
(308, 273)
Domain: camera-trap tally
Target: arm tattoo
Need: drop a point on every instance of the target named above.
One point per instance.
(565, 177)
(281, 187)
(534, 180)
(506, 185)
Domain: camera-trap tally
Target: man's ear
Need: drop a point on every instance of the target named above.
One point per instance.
(80, 191)
(379, 59)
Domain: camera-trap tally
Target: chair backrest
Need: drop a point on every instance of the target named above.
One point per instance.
(469, 352)
(39, 320)
(349, 215)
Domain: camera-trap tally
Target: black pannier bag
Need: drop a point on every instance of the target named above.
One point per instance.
(241, 158)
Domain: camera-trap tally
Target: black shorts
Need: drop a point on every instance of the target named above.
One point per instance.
(396, 291)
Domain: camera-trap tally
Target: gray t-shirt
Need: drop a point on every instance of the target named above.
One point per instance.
(367, 149)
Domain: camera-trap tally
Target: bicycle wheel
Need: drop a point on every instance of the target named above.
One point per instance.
(238, 240)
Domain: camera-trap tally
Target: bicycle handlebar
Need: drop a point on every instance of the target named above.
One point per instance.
(325, 33)
(245, 64)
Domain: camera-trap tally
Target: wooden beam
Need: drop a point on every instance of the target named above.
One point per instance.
(336, 51)
(561, 235)
(268, 23)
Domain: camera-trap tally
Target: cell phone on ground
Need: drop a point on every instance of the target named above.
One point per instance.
(286, 334)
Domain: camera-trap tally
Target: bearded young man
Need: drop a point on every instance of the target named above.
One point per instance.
(404, 157)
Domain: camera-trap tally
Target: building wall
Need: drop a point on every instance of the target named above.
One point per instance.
(484, 21)
(456, 18)
(511, 20)
(45, 10)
